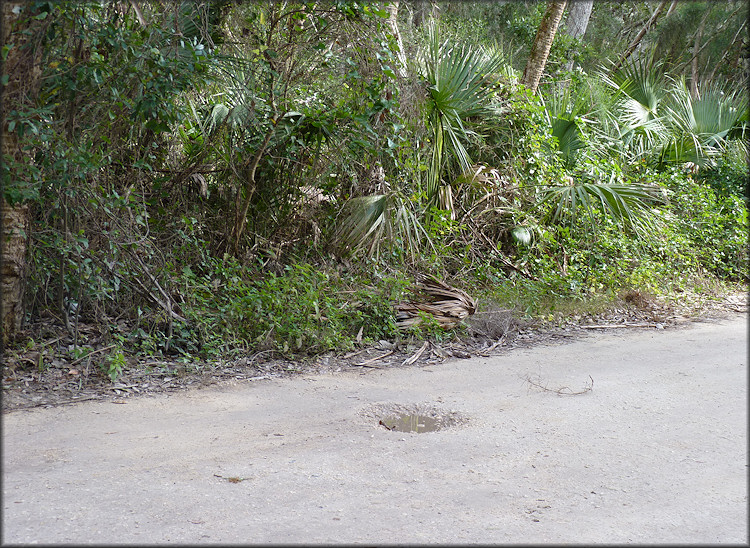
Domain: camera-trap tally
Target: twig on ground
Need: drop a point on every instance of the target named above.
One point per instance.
(563, 390)
(74, 362)
(486, 351)
(616, 325)
(354, 353)
(53, 404)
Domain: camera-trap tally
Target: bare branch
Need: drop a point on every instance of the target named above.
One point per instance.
(138, 13)
(563, 390)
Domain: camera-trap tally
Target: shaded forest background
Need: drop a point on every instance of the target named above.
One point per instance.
(202, 180)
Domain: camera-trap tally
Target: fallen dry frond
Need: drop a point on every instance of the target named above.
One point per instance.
(446, 304)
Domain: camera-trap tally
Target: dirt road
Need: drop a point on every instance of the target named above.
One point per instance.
(655, 451)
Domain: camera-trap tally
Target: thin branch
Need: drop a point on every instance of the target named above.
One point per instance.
(563, 390)
(138, 13)
(241, 211)
(718, 31)
(640, 35)
(726, 51)
(91, 354)
(694, 64)
(167, 303)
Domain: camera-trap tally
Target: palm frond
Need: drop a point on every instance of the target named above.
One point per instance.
(627, 204)
(699, 127)
(369, 221)
(640, 88)
(457, 76)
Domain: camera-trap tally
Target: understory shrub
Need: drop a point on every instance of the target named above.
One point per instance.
(301, 310)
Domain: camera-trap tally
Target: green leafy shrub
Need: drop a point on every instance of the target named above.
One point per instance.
(730, 175)
(297, 311)
(716, 225)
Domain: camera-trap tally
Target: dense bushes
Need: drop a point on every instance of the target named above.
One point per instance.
(303, 308)
(281, 191)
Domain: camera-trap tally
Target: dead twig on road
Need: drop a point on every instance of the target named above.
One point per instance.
(563, 390)
(617, 325)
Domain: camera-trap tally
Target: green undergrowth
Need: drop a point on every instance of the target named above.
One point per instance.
(696, 250)
(303, 309)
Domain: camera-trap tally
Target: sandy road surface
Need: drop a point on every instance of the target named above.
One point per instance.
(655, 452)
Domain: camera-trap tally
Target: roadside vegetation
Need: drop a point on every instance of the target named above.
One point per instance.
(203, 181)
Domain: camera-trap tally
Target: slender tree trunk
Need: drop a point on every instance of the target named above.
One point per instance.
(242, 206)
(696, 48)
(424, 10)
(726, 52)
(641, 34)
(393, 23)
(672, 6)
(542, 44)
(21, 68)
(578, 20)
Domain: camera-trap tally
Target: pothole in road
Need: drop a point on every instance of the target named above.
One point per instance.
(411, 423)
(418, 418)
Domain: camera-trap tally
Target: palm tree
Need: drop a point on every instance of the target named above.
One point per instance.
(590, 187)
(369, 221)
(567, 112)
(633, 118)
(665, 124)
(699, 128)
(542, 44)
(627, 203)
(458, 78)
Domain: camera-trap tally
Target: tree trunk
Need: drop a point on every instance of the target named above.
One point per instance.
(21, 68)
(542, 44)
(15, 227)
(578, 20)
(641, 34)
(579, 14)
(393, 23)
(694, 64)
(424, 9)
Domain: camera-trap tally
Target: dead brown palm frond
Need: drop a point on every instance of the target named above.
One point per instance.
(446, 304)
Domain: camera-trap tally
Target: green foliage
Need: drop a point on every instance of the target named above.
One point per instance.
(516, 138)
(601, 185)
(114, 364)
(147, 140)
(730, 175)
(716, 225)
(699, 128)
(460, 85)
(299, 310)
(378, 220)
(646, 118)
